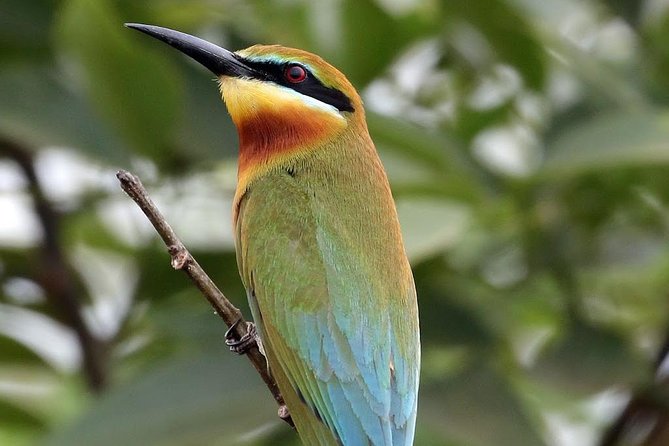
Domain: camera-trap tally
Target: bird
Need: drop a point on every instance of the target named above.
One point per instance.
(318, 244)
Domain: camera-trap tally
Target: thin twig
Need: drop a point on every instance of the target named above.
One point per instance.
(54, 274)
(184, 261)
(646, 412)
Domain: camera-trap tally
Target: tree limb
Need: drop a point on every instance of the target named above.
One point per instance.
(184, 261)
(54, 274)
(645, 419)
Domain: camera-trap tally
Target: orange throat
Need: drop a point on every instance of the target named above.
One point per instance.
(275, 135)
(274, 126)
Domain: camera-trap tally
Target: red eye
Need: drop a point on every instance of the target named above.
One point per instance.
(295, 73)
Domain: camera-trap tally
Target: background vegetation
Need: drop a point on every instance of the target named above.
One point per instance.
(527, 144)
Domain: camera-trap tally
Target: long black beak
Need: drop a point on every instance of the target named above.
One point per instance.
(219, 60)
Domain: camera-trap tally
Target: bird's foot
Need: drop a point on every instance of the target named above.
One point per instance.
(246, 342)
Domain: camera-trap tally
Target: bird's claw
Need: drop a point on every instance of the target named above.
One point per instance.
(246, 342)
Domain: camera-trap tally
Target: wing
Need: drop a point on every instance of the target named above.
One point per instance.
(341, 339)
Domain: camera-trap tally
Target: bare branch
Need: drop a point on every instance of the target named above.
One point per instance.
(645, 418)
(54, 274)
(184, 261)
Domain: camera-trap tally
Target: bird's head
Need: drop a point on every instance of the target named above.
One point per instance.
(282, 100)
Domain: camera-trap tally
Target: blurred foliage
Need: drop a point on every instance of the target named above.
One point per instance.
(527, 143)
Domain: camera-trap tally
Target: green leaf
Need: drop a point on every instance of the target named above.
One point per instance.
(12, 351)
(286, 22)
(360, 37)
(431, 226)
(452, 319)
(207, 132)
(609, 141)
(39, 109)
(372, 38)
(508, 32)
(139, 92)
(443, 170)
(19, 427)
(16, 417)
(431, 148)
(477, 407)
(212, 399)
(604, 359)
(24, 29)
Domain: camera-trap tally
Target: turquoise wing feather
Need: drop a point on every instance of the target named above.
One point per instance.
(341, 336)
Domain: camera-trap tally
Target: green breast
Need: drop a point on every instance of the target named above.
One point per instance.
(330, 288)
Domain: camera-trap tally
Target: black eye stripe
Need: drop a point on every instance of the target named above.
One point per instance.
(311, 86)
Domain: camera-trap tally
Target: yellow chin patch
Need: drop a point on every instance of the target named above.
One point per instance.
(245, 98)
(275, 123)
